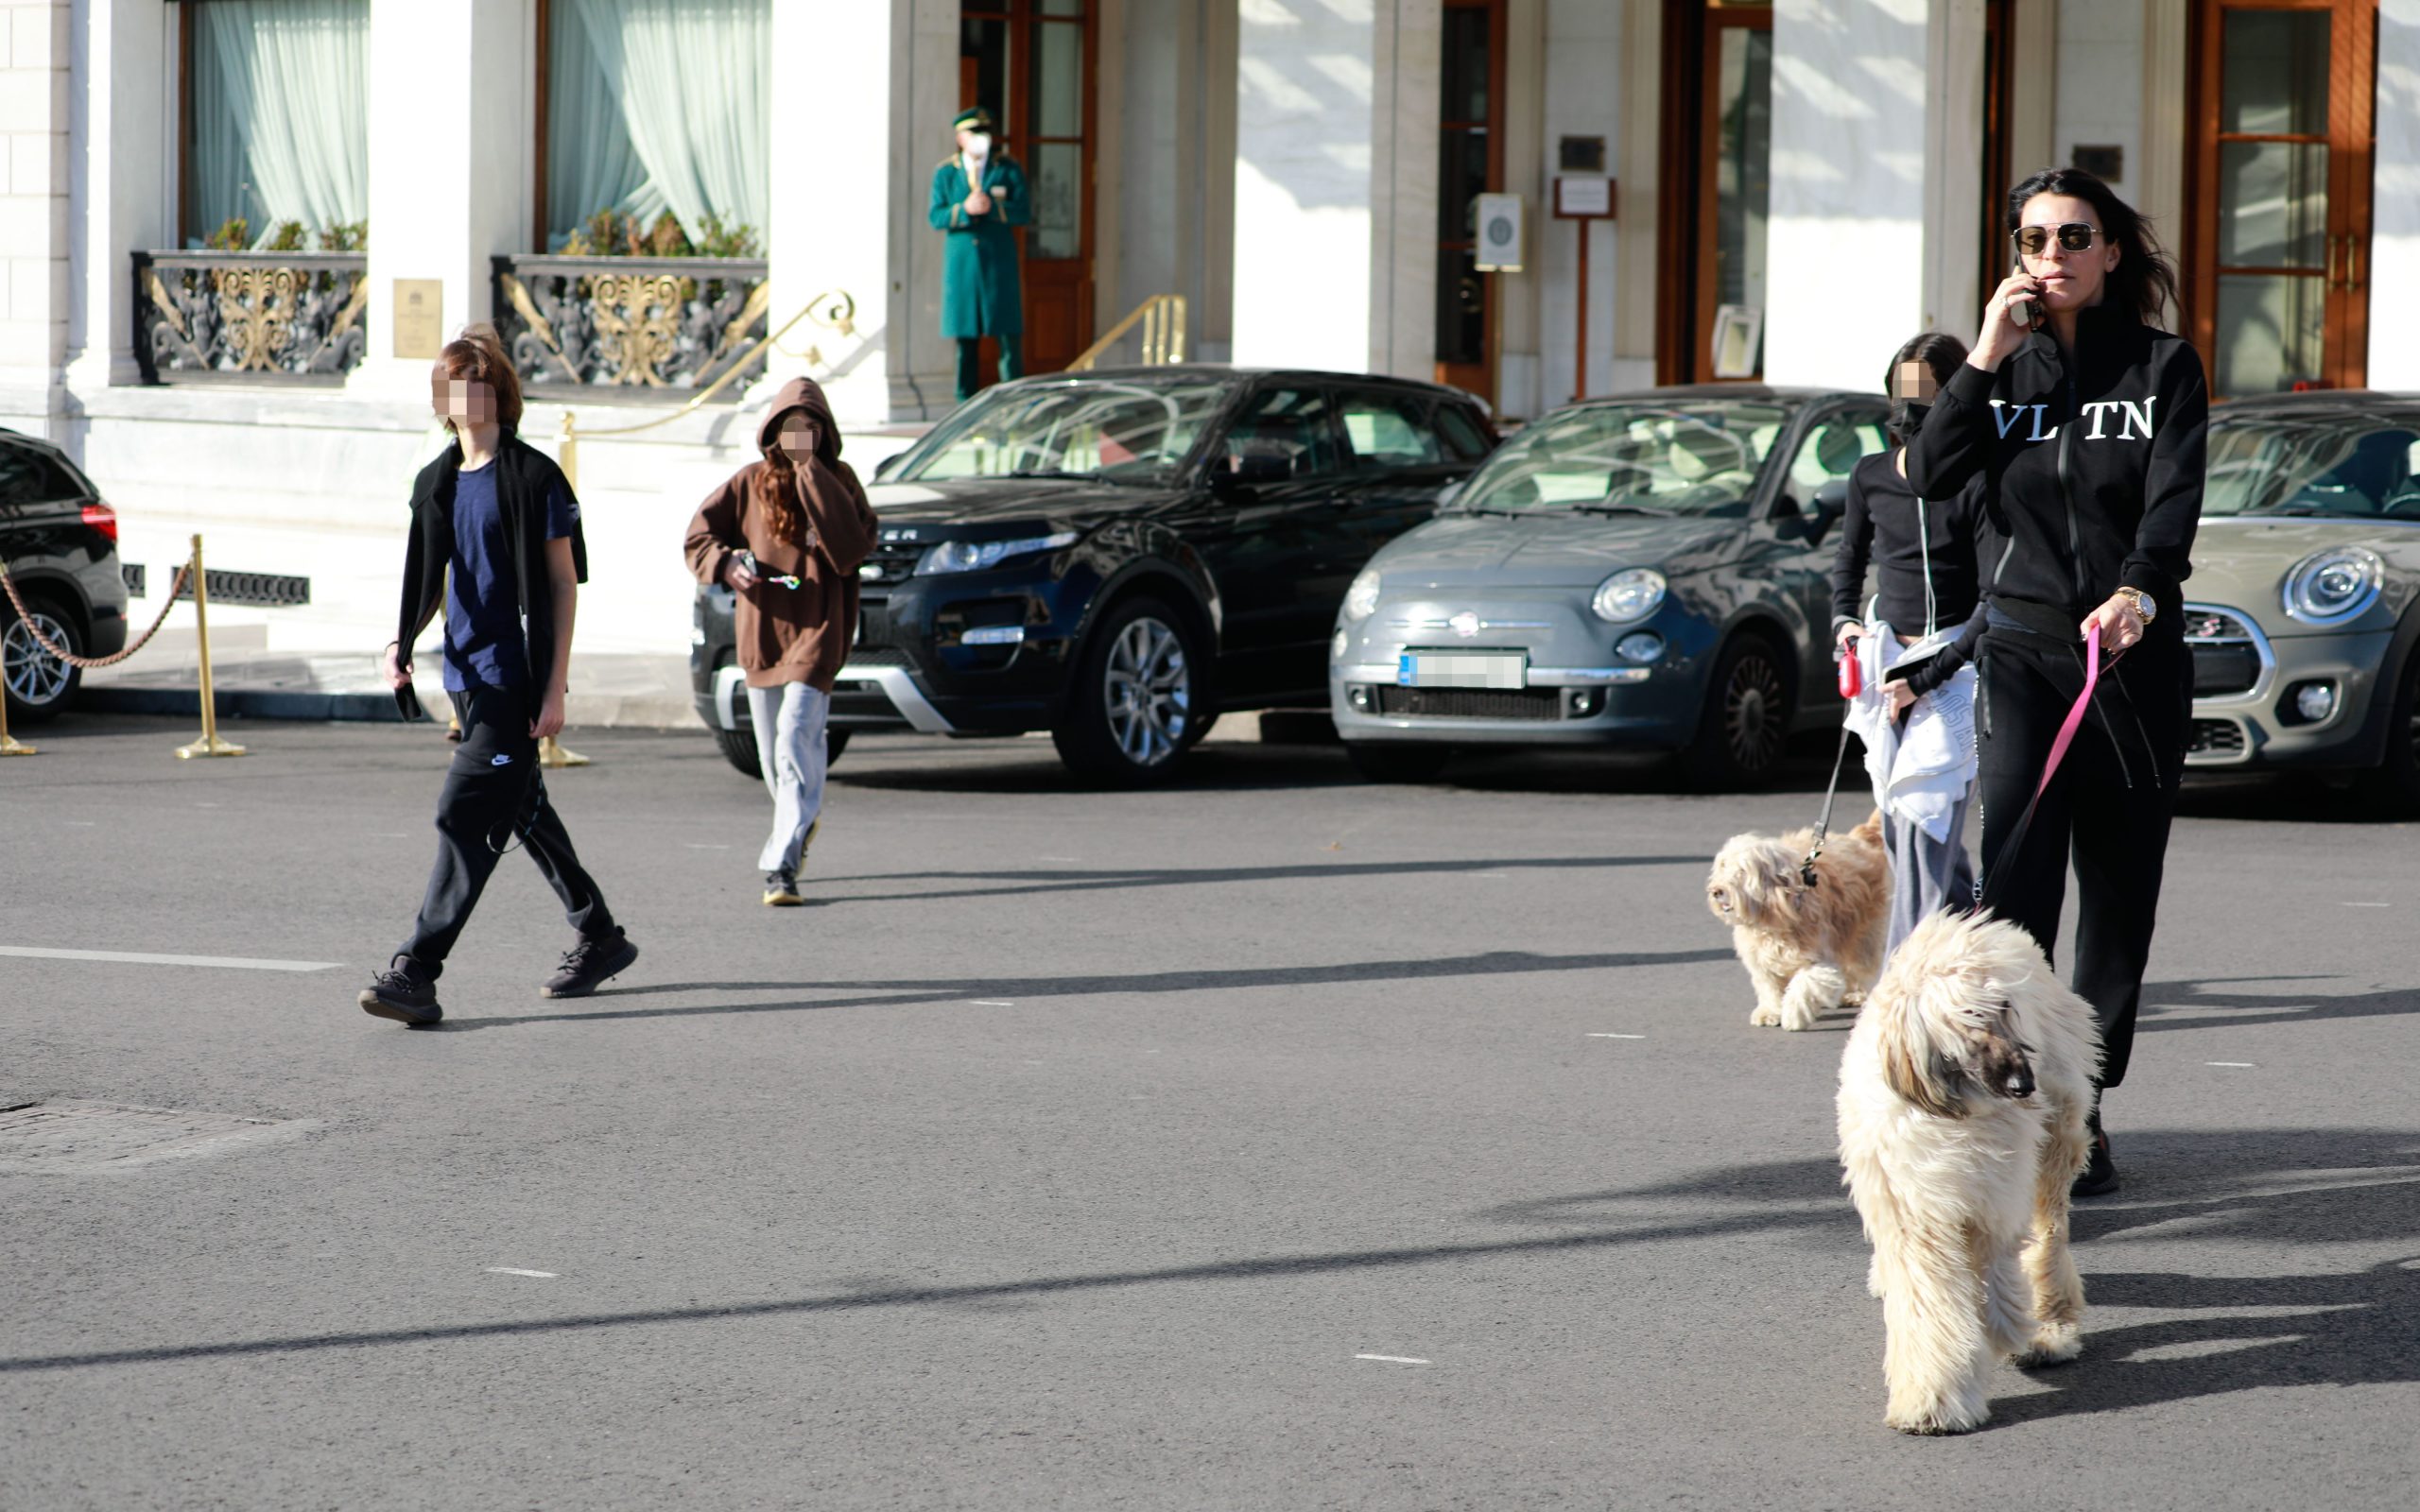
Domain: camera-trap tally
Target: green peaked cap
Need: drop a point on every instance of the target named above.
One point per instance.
(972, 118)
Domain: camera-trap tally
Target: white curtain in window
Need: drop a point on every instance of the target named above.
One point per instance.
(280, 112)
(657, 105)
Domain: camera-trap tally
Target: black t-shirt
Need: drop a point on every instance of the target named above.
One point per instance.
(1901, 536)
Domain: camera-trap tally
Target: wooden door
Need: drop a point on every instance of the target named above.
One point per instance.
(1032, 64)
(1716, 151)
(2278, 289)
(1470, 163)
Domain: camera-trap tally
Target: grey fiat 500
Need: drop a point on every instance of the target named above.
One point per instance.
(2305, 572)
(1645, 570)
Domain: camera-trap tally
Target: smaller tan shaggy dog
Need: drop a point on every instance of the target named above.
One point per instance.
(1806, 949)
(1964, 1092)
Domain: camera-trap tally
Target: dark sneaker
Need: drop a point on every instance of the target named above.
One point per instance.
(404, 993)
(2100, 1175)
(781, 890)
(589, 964)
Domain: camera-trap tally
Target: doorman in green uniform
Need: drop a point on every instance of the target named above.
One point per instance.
(978, 193)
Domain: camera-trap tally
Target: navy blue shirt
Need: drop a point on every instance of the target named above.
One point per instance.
(484, 645)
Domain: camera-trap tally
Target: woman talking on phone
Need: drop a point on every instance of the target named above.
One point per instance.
(2087, 422)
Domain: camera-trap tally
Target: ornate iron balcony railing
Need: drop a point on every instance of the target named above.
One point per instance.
(250, 317)
(644, 322)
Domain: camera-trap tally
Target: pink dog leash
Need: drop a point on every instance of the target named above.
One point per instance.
(2058, 753)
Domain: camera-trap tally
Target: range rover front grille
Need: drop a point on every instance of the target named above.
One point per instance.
(892, 561)
(2215, 740)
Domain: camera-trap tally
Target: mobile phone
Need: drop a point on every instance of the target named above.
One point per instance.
(2026, 311)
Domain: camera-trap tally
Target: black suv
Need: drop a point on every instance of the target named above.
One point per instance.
(1116, 557)
(61, 543)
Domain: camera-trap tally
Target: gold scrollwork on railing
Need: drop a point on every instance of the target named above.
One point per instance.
(257, 304)
(638, 324)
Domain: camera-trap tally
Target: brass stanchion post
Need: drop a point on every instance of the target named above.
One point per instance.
(10, 745)
(209, 745)
(552, 755)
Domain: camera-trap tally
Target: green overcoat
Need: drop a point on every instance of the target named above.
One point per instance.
(981, 294)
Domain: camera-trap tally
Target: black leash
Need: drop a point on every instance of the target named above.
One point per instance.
(1823, 825)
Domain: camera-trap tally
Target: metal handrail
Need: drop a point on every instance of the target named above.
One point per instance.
(1162, 318)
(834, 309)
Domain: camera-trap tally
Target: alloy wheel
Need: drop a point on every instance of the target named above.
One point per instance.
(1751, 707)
(1147, 689)
(33, 676)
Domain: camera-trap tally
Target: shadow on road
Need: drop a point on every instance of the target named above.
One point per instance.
(914, 992)
(1024, 881)
(2204, 1008)
(2296, 1187)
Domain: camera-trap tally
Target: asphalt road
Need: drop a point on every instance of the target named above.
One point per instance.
(1279, 1142)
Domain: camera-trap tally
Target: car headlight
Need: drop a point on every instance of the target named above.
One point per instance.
(974, 556)
(1630, 594)
(1361, 599)
(2333, 585)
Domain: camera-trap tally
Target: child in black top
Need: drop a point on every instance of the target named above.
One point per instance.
(1923, 554)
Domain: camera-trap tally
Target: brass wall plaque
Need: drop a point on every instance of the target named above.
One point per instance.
(420, 316)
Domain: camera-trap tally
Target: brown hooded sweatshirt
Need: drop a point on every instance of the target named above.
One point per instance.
(791, 634)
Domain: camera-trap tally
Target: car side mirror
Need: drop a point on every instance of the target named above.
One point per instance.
(1832, 502)
(887, 466)
(1446, 495)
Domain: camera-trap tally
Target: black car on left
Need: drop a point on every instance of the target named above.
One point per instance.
(1118, 556)
(58, 539)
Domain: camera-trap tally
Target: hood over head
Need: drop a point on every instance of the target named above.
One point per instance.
(800, 394)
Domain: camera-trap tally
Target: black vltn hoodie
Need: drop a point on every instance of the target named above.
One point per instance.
(2092, 474)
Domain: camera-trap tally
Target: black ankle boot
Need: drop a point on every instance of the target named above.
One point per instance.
(2100, 1175)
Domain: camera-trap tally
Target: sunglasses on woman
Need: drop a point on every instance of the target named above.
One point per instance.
(2075, 236)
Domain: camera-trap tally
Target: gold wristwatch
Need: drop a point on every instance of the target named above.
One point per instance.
(2145, 609)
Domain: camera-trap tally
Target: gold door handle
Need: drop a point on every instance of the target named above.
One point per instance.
(2352, 263)
(2335, 256)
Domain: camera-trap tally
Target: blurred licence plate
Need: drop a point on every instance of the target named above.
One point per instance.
(1462, 669)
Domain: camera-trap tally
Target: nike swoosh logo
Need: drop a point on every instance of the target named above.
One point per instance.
(501, 761)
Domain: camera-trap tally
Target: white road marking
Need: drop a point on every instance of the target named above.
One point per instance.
(388, 835)
(1491, 876)
(2237, 1065)
(514, 1270)
(694, 846)
(235, 963)
(1394, 1359)
(1595, 1036)
(2369, 905)
(992, 1003)
(81, 824)
(1054, 858)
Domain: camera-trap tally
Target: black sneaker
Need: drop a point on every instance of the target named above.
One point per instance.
(781, 890)
(2100, 1175)
(404, 993)
(589, 964)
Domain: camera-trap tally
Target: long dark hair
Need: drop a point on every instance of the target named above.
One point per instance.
(2144, 282)
(477, 355)
(1937, 350)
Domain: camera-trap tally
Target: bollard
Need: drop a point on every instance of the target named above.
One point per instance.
(552, 756)
(209, 745)
(10, 745)
(568, 451)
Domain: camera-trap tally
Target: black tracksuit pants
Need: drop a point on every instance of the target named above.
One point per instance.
(2108, 808)
(493, 799)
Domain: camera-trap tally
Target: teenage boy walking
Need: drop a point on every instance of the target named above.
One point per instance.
(494, 517)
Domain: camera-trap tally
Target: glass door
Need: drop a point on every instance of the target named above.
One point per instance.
(1030, 63)
(2280, 297)
(1711, 205)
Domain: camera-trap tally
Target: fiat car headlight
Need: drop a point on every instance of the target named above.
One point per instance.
(2333, 585)
(974, 556)
(1628, 595)
(1361, 599)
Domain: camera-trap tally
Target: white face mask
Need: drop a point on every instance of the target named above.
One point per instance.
(978, 143)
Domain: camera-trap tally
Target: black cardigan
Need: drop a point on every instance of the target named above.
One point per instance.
(525, 478)
(1898, 534)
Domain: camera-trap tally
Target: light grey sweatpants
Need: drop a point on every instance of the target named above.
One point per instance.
(1924, 874)
(789, 747)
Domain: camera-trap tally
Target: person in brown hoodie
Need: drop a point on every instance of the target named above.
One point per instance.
(786, 535)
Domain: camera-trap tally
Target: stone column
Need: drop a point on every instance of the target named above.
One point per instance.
(2394, 262)
(452, 144)
(34, 118)
(123, 185)
(1336, 165)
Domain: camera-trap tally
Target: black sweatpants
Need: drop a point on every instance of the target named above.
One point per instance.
(2108, 808)
(493, 799)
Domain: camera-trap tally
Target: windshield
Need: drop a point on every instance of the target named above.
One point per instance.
(1118, 431)
(1696, 457)
(2315, 465)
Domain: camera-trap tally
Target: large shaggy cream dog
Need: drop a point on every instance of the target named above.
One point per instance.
(1806, 949)
(1962, 1098)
